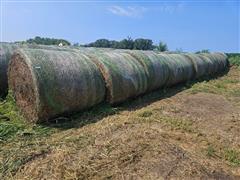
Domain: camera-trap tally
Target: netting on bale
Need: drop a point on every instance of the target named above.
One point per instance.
(200, 65)
(155, 66)
(124, 75)
(219, 59)
(47, 83)
(180, 67)
(6, 50)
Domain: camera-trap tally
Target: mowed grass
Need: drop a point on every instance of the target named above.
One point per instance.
(22, 142)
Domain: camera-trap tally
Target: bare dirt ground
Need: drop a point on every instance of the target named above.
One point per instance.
(185, 132)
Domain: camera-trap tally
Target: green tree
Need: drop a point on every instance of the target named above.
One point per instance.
(126, 43)
(104, 43)
(48, 41)
(143, 44)
(162, 46)
(203, 51)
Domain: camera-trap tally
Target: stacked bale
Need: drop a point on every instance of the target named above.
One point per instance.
(48, 83)
(124, 75)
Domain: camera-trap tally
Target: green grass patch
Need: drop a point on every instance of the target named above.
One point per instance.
(210, 151)
(145, 114)
(232, 156)
(234, 59)
(148, 116)
(13, 125)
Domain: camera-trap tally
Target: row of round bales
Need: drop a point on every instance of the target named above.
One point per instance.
(50, 83)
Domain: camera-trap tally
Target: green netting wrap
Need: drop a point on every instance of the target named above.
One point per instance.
(6, 50)
(200, 65)
(181, 68)
(124, 75)
(218, 59)
(48, 83)
(155, 66)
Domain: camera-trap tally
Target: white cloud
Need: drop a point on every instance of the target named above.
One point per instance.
(130, 11)
(174, 8)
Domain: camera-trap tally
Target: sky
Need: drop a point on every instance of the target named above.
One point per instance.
(186, 25)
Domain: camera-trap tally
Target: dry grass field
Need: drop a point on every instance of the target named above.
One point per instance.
(187, 131)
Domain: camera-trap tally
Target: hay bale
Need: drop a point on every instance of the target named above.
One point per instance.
(124, 75)
(180, 67)
(47, 83)
(221, 59)
(217, 62)
(201, 65)
(6, 51)
(155, 67)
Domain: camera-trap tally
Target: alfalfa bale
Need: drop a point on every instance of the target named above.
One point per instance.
(48, 83)
(6, 51)
(155, 66)
(124, 75)
(180, 67)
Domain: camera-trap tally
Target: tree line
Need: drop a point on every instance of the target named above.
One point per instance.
(128, 43)
(47, 41)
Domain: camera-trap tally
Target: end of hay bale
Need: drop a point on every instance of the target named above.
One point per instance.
(22, 84)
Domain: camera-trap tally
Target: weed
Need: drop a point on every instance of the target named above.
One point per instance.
(232, 156)
(145, 114)
(210, 152)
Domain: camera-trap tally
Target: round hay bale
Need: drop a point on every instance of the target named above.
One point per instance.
(124, 75)
(200, 65)
(210, 65)
(217, 60)
(155, 67)
(181, 68)
(6, 51)
(49, 83)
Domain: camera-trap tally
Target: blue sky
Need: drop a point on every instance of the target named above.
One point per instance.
(189, 25)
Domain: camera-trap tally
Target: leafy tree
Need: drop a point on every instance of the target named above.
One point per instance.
(203, 51)
(48, 41)
(114, 44)
(162, 47)
(126, 43)
(104, 43)
(143, 44)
